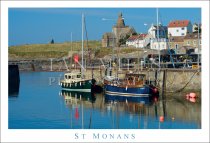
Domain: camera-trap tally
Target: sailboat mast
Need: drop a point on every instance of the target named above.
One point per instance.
(198, 62)
(158, 38)
(82, 43)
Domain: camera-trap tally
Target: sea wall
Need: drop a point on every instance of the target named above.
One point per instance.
(176, 79)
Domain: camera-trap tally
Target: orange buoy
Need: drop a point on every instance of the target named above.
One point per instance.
(161, 119)
(192, 95)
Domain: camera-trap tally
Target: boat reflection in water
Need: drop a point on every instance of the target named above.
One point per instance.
(71, 96)
(101, 111)
(76, 101)
(135, 99)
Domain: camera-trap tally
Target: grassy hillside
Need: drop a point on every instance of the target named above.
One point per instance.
(58, 50)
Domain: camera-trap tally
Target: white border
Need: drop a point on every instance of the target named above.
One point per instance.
(197, 135)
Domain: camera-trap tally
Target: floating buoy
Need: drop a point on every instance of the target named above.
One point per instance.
(161, 119)
(193, 100)
(192, 95)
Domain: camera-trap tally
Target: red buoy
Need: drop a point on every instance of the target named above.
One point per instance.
(192, 95)
(161, 119)
(193, 100)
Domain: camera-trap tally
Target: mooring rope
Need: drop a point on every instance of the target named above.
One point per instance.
(179, 90)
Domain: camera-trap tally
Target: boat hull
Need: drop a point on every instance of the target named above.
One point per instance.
(135, 94)
(144, 91)
(81, 86)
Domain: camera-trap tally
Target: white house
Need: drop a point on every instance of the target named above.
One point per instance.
(153, 30)
(141, 41)
(132, 40)
(137, 41)
(160, 44)
(179, 28)
(158, 40)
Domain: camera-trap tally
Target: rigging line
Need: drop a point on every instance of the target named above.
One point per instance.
(179, 90)
(89, 50)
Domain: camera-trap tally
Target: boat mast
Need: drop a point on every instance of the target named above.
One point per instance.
(82, 70)
(198, 62)
(71, 51)
(158, 38)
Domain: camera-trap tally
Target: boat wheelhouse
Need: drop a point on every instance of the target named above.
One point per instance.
(73, 81)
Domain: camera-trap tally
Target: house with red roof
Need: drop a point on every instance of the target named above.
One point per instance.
(132, 40)
(137, 41)
(179, 28)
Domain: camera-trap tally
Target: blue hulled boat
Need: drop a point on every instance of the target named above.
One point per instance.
(134, 85)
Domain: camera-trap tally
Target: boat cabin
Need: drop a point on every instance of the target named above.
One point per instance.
(73, 77)
(135, 79)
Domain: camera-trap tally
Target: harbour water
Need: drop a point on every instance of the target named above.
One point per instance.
(41, 104)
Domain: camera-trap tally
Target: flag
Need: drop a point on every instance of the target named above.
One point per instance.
(76, 58)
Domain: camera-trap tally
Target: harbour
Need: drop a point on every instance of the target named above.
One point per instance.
(31, 108)
(128, 80)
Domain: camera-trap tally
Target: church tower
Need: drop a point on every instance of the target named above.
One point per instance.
(120, 30)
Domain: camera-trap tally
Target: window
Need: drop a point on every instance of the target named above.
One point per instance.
(78, 76)
(188, 42)
(182, 34)
(194, 42)
(200, 42)
(177, 30)
(182, 28)
(69, 77)
(66, 77)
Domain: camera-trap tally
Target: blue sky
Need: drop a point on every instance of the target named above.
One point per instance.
(36, 25)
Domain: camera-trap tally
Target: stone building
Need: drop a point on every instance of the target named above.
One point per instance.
(193, 42)
(176, 43)
(119, 31)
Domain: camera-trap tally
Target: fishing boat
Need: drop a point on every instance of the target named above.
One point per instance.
(73, 81)
(134, 85)
(76, 80)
